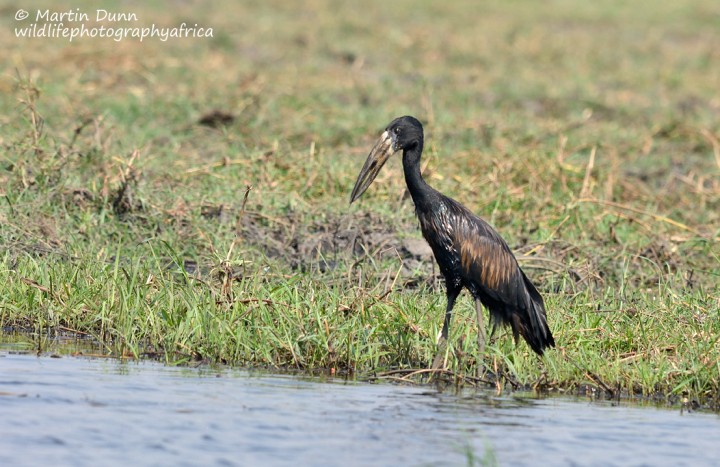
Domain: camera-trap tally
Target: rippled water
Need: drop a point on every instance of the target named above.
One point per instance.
(80, 411)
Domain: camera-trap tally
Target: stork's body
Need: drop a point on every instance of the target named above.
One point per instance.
(469, 252)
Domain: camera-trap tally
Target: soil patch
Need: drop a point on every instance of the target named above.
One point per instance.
(336, 242)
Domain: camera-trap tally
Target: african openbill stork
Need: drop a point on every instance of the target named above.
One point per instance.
(469, 251)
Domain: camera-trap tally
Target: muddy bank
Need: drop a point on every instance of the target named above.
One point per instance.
(337, 242)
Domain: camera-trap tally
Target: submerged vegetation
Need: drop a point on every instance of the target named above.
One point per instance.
(188, 200)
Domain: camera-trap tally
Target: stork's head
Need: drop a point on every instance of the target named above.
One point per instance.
(403, 133)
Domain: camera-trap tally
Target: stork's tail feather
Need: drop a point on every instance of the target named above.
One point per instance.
(533, 326)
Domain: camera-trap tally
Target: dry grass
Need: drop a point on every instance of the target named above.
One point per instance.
(587, 134)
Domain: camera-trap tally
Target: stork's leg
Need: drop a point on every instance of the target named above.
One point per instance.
(481, 326)
(452, 294)
(481, 337)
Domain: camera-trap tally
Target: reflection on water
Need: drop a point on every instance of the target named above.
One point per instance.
(79, 411)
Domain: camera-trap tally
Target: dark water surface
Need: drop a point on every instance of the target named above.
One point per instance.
(80, 411)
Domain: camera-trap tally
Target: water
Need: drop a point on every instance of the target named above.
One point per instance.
(81, 411)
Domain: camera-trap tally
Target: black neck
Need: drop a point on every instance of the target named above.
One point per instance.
(419, 190)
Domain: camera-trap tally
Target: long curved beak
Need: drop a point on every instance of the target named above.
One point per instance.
(381, 152)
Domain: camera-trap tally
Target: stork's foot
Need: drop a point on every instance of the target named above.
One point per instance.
(439, 361)
(481, 370)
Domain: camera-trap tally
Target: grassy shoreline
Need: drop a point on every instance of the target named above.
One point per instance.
(127, 216)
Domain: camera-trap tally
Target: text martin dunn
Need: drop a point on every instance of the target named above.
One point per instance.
(77, 15)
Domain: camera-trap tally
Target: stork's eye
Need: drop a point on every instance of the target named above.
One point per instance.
(397, 130)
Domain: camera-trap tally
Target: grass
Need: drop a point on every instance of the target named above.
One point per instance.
(587, 134)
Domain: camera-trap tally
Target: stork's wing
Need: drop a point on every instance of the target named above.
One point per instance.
(488, 264)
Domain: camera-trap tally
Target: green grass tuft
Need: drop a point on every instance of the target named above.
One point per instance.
(188, 199)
